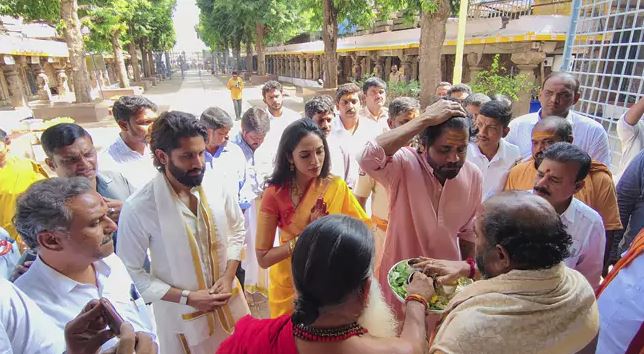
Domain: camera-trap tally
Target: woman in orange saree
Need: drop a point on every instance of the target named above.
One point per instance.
(300, 191)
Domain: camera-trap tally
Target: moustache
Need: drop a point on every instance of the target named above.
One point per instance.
(541, 190)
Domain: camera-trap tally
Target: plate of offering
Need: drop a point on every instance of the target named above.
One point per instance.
(400, 274)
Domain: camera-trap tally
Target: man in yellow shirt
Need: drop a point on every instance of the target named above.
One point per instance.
(16, 175)
(236, 85)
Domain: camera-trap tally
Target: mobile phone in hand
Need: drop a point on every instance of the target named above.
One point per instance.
(114, 320)
(27, 256)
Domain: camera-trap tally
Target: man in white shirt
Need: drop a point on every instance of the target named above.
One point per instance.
(273, 97)
(220, 155)
(24, 328)
(619, 299)
(350, 129)
(375, 94)
(559, 176)
(129, 153)
(320, 110)
(559, 93)
(66, 219)
(401, 111)
(630, 130)
(491, 153)
(194, 232)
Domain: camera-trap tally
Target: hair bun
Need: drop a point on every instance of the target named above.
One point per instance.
(306, 311)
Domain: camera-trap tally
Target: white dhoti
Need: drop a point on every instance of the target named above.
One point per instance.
(185, 254)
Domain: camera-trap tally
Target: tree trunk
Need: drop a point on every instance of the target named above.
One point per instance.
(249, 58)
(134, 59)
(225, 58)
(330, 38)
(121, 71)
(237, 55)
(432, 36)
(259, 48)
(153, 67)
(168, 68)
(146, 62)
(75, 45)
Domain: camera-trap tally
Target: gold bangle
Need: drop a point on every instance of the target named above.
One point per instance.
(291, 246)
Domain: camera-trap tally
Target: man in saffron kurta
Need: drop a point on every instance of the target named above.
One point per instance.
(433, 195)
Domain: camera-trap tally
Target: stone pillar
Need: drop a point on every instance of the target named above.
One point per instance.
(356, 70)
(61, 82)
(316, 67)
(473, 61)
(526, 62)
(302, 62)
(406, 66)
(14, 84)
(69, 78)
(42, 81)
(414, 67)
(378, 70)
(309, 68)
(387, 68)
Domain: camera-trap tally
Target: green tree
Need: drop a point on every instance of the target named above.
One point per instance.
(64, 14)
(497, 80)
(107, 21)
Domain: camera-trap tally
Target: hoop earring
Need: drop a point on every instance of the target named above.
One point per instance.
(291, 167)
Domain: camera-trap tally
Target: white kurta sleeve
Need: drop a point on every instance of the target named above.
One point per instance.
(132, 247)
(235, 219)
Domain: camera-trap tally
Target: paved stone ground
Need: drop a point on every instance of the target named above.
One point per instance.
(194, 94)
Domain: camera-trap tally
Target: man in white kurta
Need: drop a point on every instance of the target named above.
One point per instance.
(194, 248)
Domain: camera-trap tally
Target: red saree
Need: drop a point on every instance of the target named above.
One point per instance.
(270, 336)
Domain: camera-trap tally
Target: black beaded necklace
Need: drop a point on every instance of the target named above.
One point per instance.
(335, 334)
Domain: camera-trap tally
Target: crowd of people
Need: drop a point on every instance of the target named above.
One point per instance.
(169, 238)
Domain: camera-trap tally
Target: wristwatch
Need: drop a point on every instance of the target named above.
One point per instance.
(184, 297)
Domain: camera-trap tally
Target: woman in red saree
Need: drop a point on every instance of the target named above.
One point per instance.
(334, 311)
(300, 191)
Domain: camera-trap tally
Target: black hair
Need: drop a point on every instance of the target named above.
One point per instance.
(331, 260)
(256, 120)
(497, 110)
(3, 135)
(565, 153)
(346, 89)
(476, 99)
(169, 129)
(318, 104)
(292, 136)
(270, 86)
(402, 105)
(215, 118)
(373, 82)
(430, 134)
(60, 135)
(528, 228)
(127, 106)
(459, 88)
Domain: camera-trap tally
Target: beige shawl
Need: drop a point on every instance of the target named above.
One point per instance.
(523, 311)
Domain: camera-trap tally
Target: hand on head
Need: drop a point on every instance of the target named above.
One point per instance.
(441, 111)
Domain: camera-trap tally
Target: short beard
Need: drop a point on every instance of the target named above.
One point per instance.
(184, 178)
(377, 317)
